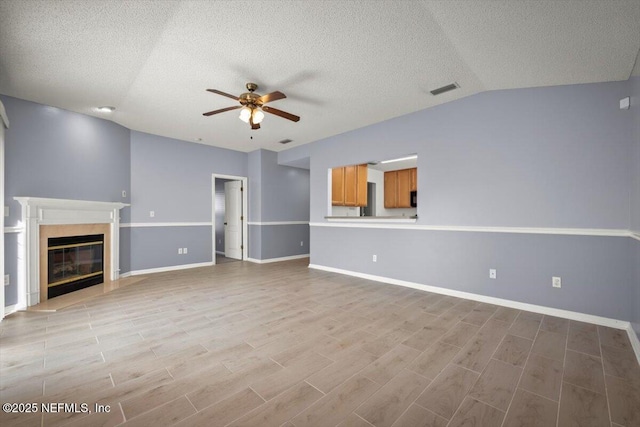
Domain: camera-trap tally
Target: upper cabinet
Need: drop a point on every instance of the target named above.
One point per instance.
(398, 186)
(337, 186)
(349, 186)
(414, 179)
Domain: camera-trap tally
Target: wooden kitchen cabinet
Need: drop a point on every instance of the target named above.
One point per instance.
(403, 193)
(361, 184)
(349, 186)
(398, 186)
(390, 189)
(414, 179)
(337, 186)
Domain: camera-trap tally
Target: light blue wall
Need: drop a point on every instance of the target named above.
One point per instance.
(286, 190)
(297, 156)
(556, 157)
(156, 247)
(173, 178)
(125, 249)
(56, 153)
(284, 240)
(255, 186)
(634, 112)
(595, 271)
(541, 157)
(278, 194)
(255, 203)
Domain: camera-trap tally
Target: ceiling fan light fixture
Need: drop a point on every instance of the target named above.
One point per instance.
(245, 114)
(252, 106)
(258, 115)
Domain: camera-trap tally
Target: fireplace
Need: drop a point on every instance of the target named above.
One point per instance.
(73, 257)
(74, 263)
(45, 219)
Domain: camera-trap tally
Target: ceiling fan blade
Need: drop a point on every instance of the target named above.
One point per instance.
(222, 110)
(280, 113)
(273, 96)
(223, 94)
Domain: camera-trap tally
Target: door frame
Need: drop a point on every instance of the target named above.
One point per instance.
(245, 216)
(4, 123)
(231, 227)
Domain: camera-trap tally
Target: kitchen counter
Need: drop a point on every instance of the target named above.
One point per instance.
(387, 219)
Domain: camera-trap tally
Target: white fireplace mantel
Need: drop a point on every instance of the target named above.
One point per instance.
(37, 211)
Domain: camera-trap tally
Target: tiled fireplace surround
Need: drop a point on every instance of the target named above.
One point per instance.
(43, 218)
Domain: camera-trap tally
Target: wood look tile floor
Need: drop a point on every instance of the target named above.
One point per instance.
(244, 344)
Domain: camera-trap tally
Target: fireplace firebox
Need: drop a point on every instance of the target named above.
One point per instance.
(74, 262)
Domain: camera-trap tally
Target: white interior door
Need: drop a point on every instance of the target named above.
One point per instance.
(233, 219)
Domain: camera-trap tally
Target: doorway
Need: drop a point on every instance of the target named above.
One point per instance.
(229, 218)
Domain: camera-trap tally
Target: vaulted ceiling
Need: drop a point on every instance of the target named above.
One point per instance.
(342, 64)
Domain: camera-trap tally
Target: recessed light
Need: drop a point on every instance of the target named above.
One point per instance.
(198, 139)
(106, 109)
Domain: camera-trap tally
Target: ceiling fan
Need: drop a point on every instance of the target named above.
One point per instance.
(252, 106)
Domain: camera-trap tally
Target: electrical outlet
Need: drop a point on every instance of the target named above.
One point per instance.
(493, 273)
(219, 241)
(375, 258)
(7, 279)
(6, 211)
(124, 193)
(179, 251)
(556, 282)
(152, 214)
(184, 251)
(301, 243)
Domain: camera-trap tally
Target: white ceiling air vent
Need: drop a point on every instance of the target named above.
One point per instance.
(444, 89)
(286, 141)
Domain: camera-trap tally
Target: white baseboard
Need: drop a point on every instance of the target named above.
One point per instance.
(270, 260)
(220, 252)
(165, 269)
(635, 343)
(9, 309)
(124, 275)
(566, 314)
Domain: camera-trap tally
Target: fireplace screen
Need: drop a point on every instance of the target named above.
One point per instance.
(74, 263)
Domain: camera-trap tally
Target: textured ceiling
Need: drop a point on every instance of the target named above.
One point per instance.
(342, 64)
